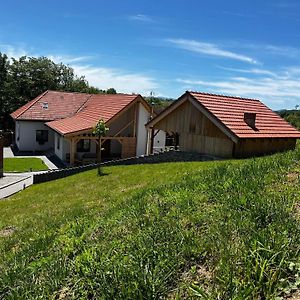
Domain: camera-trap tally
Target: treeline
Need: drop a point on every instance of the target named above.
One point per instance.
(23, 79)
(292, 116)
(159, 103)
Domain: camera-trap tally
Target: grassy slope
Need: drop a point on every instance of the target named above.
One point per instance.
(224, 230)
(23, 164)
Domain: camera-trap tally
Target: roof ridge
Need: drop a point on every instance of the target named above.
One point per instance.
(34, 101)
(97, 94)
(81, 107)
(225, 96)
(68, 92)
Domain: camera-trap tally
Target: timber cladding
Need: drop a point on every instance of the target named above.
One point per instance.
(261, 146)
(128, 147)
(196, 131)
(1, 157)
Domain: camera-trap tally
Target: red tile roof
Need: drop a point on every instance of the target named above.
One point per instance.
(72, 112)
(230, 112)
(60, 105)
(98, 106)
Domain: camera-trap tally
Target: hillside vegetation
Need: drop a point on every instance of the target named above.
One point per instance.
(207, 230)
(292, 116)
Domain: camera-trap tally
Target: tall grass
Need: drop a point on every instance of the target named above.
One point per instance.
(226, 232)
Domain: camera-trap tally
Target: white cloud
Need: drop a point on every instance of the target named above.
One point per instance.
(141, 18)
(209, 49)
(280, 91)
(269, 49)
(122, 80)
(250, 71)
(68, 59)
(12, 51)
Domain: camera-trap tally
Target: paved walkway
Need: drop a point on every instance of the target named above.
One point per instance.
(12, 183)
(7, 152)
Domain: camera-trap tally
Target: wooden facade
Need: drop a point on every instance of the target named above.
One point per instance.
(196, 132)
(121, 137)
(263, 146)
(199, 131)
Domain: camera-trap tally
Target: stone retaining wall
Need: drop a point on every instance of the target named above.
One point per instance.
(170, 156)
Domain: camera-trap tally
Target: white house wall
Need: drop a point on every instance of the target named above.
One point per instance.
(26, 136)
(143, 118)
(64, 147)
(159, 141)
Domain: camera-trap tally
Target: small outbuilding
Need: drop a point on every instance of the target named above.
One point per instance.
(223, 126)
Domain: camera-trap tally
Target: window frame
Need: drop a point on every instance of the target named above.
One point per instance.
(81, 147)
(42, 136)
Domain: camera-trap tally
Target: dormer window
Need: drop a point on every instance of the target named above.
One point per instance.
(45, 105)
(250, 119)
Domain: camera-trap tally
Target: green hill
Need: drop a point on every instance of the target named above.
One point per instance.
(213, 230)
(292, 116)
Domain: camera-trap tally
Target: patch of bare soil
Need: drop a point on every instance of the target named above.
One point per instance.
(293, 176)
(294, 296)
(8, 231)
(198, 275)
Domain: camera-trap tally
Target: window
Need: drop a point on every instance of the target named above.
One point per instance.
(84, 146)
(58, 142)
(42, 136)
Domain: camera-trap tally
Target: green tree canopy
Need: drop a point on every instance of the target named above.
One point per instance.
(23, 79)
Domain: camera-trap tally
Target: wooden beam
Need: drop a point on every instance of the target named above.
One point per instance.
(152, 140)
(155, 134)
(72, 151)
(123, 128)
(134, 118)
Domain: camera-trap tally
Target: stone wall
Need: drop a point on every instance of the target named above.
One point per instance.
(170, 156)
(1, 157)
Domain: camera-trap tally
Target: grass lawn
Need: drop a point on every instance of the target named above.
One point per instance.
(200, 230)
(23, 165)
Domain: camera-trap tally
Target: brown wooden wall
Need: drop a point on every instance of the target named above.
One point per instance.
(1, 157)
(256, 147)
(129, 147)
(122, 121)
(196, 132)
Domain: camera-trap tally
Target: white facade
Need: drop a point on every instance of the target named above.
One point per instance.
(141, 138)
(27, 136)
(159, 142)
(62, 148)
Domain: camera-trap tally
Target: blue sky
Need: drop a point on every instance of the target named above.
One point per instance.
(243, 48)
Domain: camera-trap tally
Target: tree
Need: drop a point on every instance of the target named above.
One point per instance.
(111, 91)
(100, 131)
(23, 79)
(3, 84)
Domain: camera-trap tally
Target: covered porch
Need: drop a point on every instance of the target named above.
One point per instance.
(113, 147)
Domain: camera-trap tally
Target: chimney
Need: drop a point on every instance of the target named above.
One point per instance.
(249, 119)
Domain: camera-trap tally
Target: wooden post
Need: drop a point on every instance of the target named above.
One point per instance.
(72, 151)
(135, 119)
(152, 141)
(99, 156)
